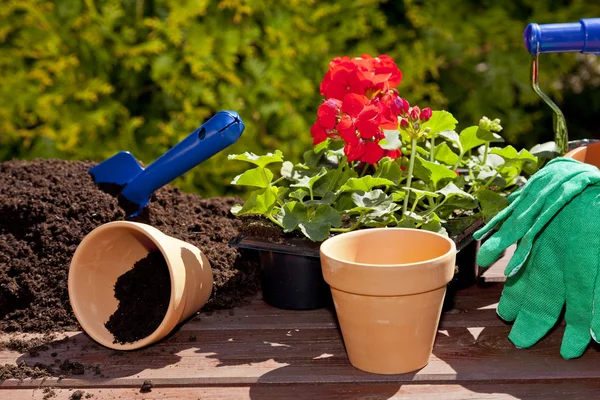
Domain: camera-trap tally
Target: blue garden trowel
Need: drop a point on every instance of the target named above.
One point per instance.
(122, 169)
(582, 37)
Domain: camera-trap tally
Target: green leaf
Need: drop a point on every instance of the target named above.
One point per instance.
(260, 161)
(469, 139)
(313, 224)
(324, 218)
(491, 203)
(451, 190)
(392, 140)
(494, 160)
(260, 202)
(299, 194)
(547, 150)
(333, 180)
(489, 136)
(441, 121)
(421, 193)
(308, 181)
(483, 176)
(398, 196)
(445, 155)
(433, 223)
(326, 199)
(522, 159)
(452, 137)
(432, 172)
(258, 177)
(371, 199)
(388, 169)
(292, 214)
(365, 184)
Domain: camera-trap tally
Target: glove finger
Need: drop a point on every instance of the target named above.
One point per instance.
(556, 201)
(513, 295)
(523, 212)
(544, 297)
(542, 175)
(581, 270)
(511, 197)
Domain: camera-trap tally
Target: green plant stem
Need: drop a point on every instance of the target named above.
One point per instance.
(350, 229)
(434, 209)
(431, 159)
(485, 153)
(273, 220)
(276, 181)
(414, 207)
(411, 167)
(460, 156)
(488, 183)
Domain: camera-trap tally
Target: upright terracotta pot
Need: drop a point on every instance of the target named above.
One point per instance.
(112, 249)
(388, 287)
(589, 154)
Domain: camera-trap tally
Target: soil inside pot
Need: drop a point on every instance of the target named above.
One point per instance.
(48, 206)
(143, 293)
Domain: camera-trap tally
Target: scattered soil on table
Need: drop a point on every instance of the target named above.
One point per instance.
(22, 371)
(143, 293)
(49, 393)
(147, 386)
(48, 206)
(77, 395)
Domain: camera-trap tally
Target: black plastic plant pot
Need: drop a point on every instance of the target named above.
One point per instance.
(291, 276)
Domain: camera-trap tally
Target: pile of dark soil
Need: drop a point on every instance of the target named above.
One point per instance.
(143, 293)
(48, 206)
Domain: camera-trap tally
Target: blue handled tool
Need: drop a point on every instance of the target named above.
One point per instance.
(122, 169)
(582, 36)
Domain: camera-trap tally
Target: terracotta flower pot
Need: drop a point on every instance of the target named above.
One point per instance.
(112, 249)
(589, 154)
(388, 286)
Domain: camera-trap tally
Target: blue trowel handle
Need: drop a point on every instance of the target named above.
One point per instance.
(219, 132)
(582, 37)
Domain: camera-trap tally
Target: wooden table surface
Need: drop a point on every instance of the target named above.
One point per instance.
(259, 352)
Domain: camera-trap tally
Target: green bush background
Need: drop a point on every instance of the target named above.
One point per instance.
(82, 79)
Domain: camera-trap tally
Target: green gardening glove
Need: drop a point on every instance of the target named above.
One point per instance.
(562, 267)
(530, 202)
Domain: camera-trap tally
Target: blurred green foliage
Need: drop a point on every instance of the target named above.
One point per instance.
(82, 79)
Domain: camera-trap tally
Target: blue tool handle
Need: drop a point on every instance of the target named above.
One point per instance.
(582, 37)
(219, 132)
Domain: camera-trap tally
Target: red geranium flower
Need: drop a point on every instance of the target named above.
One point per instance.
(342, 79)
(327, 116)
(358, 115)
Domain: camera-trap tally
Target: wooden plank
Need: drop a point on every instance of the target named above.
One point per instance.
(473, 354)
(572, 391)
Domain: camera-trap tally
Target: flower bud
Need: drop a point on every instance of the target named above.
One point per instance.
(399, 106)
(425, 114)
(414, 113)
(404, 123)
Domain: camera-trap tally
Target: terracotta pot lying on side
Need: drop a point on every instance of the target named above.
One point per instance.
(388, 287)
(112, 249)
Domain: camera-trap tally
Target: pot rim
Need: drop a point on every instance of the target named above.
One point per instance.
(331, 241)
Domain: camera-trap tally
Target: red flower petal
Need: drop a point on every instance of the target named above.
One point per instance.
(393, 154)
(354, 151)
(353, 104)
(327, 113)
(373, 153)
(318, 133)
